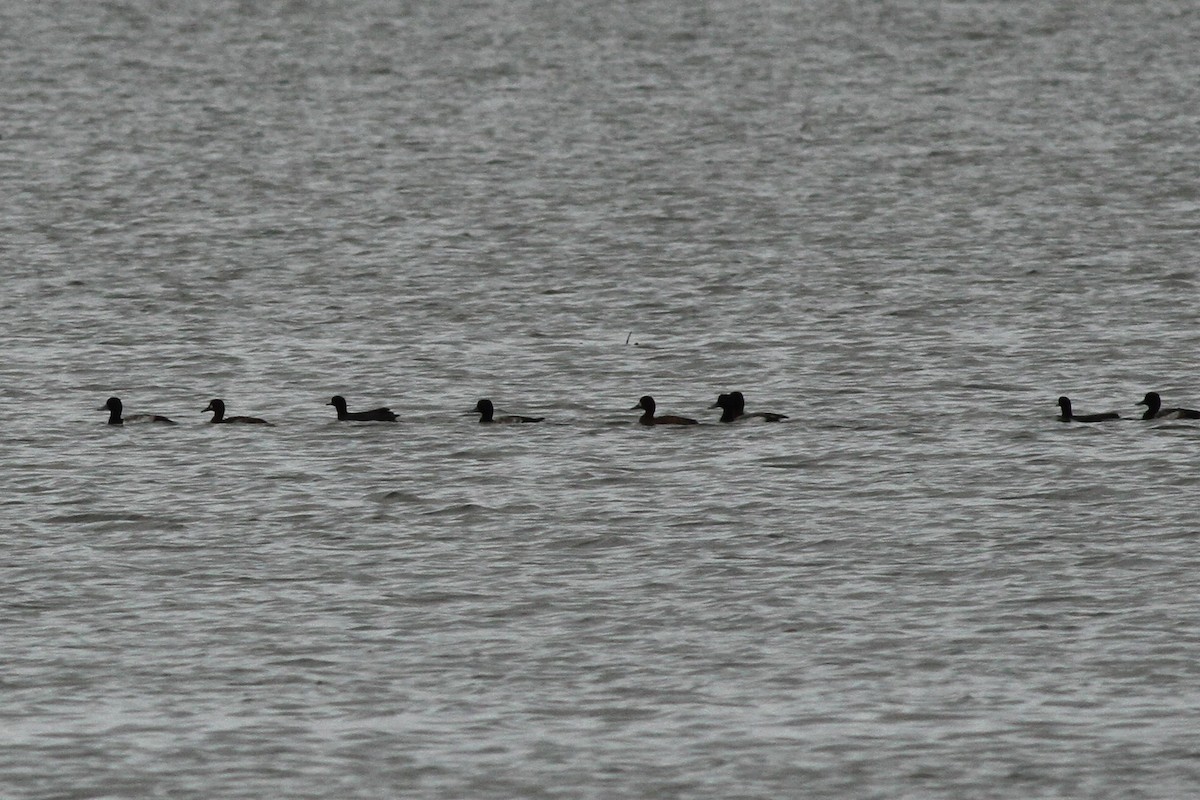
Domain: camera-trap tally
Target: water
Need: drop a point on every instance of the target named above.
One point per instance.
(910, 226)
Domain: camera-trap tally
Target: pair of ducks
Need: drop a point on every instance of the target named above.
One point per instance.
(114, 407)
(732, 405)
(484, 408)
(1151, 401)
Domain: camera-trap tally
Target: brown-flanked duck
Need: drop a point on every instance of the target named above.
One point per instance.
(217, 407)
(648, 405)
(114, 407)
(381, 414)
(1064, 403)
(487, 414)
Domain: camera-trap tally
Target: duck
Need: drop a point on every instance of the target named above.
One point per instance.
(374, 415)
(1154, 409)
(733, 407)
(1065, 404)
(218, 409)
(486, 412)
(114, 407)
(648, 405)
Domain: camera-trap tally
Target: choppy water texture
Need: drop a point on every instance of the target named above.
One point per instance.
(910, 226)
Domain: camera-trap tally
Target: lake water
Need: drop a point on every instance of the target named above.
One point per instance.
(909, 225)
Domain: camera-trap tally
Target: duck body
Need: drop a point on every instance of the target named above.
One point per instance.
(217, 407)
(487, 414)
(381, 414)
(1064, 404)
(648, 405)
(114, 408)
(733, 408)
(1154, 409)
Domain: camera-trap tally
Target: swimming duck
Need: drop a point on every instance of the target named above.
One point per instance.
(1154, 409)
(486, 411)
(647, 404)
(218, 409)
(113, 407)
(733, 407)
(374, 415)
(1065, 404)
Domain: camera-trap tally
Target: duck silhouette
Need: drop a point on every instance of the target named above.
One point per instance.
(648, 405)
(381, 414)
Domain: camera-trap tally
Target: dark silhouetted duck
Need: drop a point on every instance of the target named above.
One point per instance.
(374, 415)
(733, 407)
(1154, 409)
(113, 407)
(724, 404)
(647, 405)
(1065, 404)
(486, 414)
(218, 409)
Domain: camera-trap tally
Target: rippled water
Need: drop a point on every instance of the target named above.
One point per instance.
(910, 226)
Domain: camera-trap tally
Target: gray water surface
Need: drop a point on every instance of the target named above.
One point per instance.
(910, 226)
